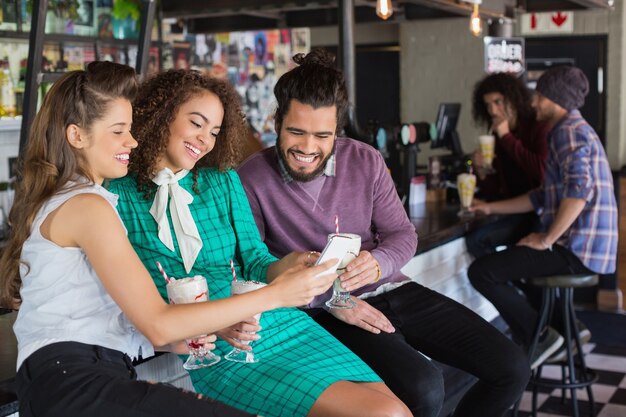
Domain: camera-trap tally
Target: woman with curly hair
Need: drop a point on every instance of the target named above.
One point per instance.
(185, 207)
(86, 303)
(502, 104)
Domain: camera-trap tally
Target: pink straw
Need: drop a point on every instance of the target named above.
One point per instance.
(232, 268)
(336, 224)
(158, 264)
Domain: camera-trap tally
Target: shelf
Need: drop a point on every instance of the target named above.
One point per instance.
(10, 124)
(64, 38)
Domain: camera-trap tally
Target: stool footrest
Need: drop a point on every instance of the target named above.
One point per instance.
(590, 378)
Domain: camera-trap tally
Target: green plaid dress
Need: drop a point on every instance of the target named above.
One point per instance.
(297, 358)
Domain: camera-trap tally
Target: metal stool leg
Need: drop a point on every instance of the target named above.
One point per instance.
(583, 373)
(567, 295)
(547, 301)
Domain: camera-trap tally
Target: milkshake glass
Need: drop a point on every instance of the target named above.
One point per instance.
(487, 148)
(341, 298)
(466, 184)
(185, 291)
(241, 287)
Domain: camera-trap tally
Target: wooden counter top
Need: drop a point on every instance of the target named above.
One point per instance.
(437, 223)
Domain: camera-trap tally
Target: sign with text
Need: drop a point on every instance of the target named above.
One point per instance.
(504, 55)
(551, 22)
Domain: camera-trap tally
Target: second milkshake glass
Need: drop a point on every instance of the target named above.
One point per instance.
(341, 298)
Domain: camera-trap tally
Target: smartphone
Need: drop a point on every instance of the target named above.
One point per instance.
(336, 248)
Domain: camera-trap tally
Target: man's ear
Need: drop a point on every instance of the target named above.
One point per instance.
(75, 136)
(276, 127)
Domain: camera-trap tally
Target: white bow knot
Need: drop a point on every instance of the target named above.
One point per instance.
(189, 241)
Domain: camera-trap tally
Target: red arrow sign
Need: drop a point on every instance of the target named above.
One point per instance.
(559, 18)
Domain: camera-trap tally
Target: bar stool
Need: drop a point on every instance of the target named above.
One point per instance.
(574, 372)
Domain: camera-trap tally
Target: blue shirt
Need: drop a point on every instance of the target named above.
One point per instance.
(577, 167)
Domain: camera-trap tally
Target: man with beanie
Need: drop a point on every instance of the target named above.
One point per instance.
(576, 206)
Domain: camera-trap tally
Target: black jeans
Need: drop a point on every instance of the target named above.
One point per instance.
(498, 276)
(70, 379)
(506, 231)
(442, 329)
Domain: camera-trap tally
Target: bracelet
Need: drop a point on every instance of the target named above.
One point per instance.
(378, 269)
(545, 245)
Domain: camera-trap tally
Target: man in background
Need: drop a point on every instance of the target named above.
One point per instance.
(576, 206)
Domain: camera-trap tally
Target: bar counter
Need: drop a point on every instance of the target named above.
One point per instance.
(438, 223)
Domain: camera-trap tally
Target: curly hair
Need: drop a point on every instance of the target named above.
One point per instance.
(512, 88)
(316, 82)
(155, 109)
(50, 163)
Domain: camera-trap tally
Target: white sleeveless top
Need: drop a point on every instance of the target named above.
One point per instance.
(62, 297)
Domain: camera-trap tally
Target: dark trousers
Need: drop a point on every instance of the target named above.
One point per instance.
(498, 276)
(442, 329)
(506, 231)
(70, 379)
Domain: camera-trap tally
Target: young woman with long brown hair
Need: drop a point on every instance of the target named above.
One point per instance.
(86, 302)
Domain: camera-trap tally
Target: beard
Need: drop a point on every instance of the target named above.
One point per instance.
(299, 175)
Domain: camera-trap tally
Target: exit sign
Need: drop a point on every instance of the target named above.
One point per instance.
(546, 23)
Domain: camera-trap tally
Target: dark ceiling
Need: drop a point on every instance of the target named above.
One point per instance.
(202, 16)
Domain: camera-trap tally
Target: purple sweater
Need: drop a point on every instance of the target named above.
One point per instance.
(298, 216)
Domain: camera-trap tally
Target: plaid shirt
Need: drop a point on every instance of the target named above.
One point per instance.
(577, 167)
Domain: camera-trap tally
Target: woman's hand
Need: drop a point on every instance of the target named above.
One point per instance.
(298, 285)
(302, 258)
(290, 260)
(242, 331)
(181, 347)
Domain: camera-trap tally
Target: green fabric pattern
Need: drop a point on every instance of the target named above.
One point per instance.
(298, 359)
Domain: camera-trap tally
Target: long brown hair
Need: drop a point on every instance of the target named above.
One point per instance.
(49, 163)
(154, 110)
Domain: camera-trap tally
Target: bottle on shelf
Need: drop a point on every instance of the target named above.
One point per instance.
(7, 90)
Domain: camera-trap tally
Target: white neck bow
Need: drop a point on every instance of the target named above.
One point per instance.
(189, 241)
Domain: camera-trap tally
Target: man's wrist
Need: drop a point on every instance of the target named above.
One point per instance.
(545, 244)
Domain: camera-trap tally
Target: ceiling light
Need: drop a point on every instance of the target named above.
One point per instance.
(384, 10)
(476, 23)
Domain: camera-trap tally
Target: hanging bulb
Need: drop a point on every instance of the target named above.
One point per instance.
(476, 24)
(384, 10)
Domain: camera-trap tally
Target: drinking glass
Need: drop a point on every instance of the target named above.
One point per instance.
(487, 148)
(341, 298)
(192, 290)
(238, 355)
(466, 185)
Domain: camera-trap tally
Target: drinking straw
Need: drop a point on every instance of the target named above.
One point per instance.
(232, 268)
(336, 224)
(158, 264)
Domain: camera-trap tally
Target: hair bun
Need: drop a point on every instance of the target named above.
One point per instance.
(317, 56)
